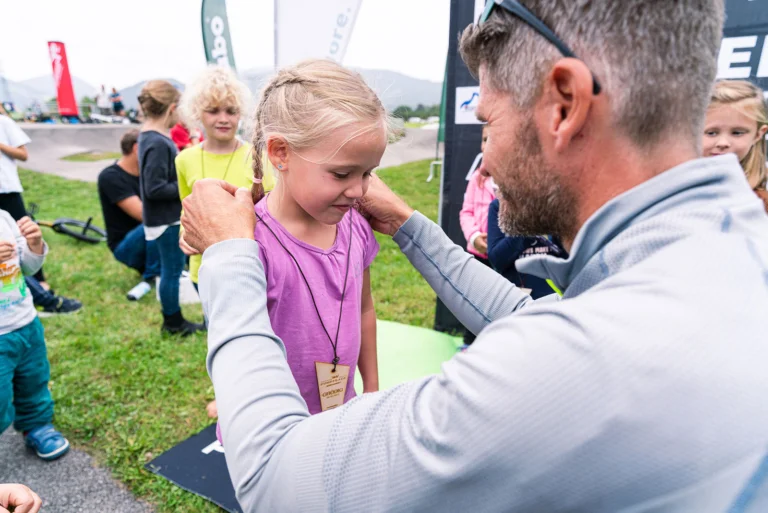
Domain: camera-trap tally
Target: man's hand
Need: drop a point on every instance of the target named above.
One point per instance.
(31, 231)
(481, 243)
(385, 211)
(19, 497)
(7, 250)
(217, 211)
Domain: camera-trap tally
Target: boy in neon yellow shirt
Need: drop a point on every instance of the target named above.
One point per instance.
(216, 100)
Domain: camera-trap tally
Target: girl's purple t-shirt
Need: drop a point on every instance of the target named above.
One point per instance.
(289, 303)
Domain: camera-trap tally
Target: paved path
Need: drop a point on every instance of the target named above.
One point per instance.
(52, 142)
(70, 484)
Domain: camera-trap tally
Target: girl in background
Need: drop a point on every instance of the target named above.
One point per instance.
(161, 206)
(737, 121)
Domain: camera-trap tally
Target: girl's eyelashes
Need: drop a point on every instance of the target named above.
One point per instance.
(342, 176)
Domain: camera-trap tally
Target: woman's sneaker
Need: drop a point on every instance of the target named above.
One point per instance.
(48, 443)
(63, 305)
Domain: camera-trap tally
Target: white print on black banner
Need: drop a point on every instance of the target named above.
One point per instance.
(738, 50)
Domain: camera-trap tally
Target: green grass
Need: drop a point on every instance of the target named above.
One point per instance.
(408, 124)
(92, 156)
(123, 392)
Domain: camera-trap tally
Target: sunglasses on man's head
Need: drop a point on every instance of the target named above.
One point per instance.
(517, 9)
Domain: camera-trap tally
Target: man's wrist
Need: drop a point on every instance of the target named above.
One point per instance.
(402, 217)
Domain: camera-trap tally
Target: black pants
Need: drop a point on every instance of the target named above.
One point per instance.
(13, 203)
(469, 337)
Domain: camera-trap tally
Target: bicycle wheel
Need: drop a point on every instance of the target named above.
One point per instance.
(83, 231)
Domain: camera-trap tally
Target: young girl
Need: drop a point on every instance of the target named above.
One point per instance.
(737, 121)
(474, 214)
(161, 206)
(216, 101)
(324, 131)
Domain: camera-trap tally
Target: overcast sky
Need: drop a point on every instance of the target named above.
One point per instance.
(120, 43)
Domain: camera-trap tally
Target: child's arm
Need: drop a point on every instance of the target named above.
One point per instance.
(368, 363)
(19, 153)
(29, 245)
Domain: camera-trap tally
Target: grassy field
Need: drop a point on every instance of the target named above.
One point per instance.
(92, 156)
(123, 392)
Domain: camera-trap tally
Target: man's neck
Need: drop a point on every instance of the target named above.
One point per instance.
(220, 147)
(614, 170)
(130, 166)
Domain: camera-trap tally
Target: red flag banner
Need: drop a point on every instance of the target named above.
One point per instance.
(64, 91)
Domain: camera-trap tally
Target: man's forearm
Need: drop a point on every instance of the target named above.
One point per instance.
(474, 293)
(265, 423)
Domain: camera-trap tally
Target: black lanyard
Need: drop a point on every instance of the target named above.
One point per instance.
(202, 159)
(334, 342)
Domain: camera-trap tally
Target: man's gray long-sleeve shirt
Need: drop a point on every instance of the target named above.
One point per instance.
(643, 389)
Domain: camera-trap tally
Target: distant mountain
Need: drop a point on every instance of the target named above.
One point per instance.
(393, 88)
(21, 95)
(45, 86)
(130, 94)
(40, 89)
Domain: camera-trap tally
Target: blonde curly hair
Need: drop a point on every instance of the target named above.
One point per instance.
(216, 86)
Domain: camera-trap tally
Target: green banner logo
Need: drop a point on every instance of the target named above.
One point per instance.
(216, 37)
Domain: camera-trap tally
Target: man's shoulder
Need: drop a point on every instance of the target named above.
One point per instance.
(115, 177)
(110, 173)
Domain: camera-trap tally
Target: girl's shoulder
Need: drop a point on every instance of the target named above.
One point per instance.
(359, 223)
(152, 138)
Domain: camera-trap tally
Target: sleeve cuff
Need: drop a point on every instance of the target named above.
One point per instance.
(472, 239)
(408, 230)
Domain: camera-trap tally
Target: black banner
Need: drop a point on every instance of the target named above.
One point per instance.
(197, 465)
(744, 49)
(462, 141)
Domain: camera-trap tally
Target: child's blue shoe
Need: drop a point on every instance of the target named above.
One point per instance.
(48, 443)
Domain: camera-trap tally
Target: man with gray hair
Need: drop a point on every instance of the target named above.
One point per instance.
(641, 389)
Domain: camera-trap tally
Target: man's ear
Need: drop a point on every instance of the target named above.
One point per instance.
(568, 93)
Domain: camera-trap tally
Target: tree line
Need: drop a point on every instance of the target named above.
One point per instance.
(421, 111)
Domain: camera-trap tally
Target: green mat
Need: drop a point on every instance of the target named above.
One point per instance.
(407, 352)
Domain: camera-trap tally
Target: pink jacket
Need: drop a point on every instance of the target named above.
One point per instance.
(474, 212)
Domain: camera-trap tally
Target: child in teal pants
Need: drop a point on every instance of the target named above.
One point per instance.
(24, 370)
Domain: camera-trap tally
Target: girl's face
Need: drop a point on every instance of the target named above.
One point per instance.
(326, 191)
(729, 131)
(220, 122)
